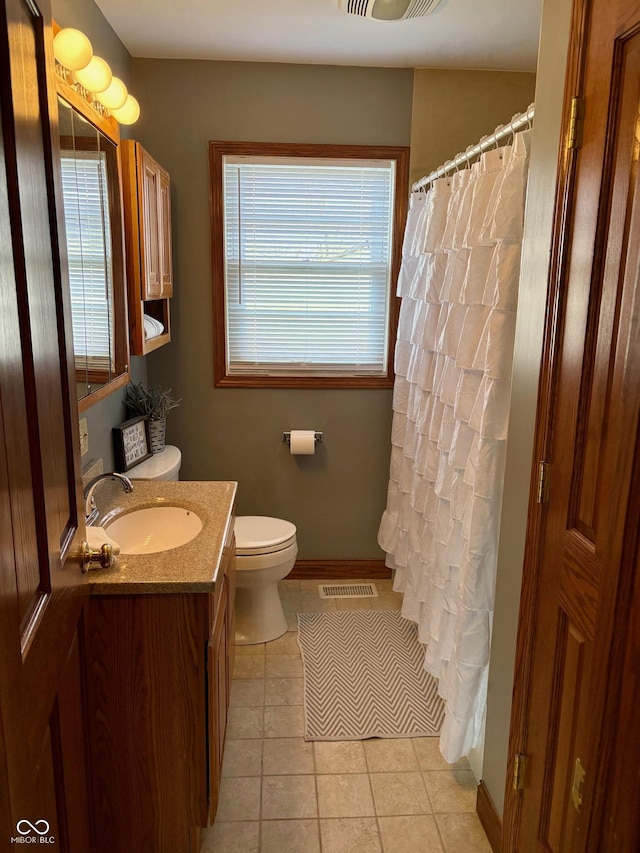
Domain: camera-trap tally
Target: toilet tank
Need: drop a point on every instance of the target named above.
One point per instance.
(161, 466)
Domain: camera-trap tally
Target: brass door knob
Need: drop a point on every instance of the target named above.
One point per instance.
(102, 558)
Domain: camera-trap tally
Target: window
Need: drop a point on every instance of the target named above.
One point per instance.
(306, 245)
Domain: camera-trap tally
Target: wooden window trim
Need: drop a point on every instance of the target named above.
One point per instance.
(217, 151)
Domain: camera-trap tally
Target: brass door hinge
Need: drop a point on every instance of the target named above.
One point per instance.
(576, 121)
(518, 772)
(544, 482)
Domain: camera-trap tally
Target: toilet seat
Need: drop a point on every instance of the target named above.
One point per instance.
(259, 534)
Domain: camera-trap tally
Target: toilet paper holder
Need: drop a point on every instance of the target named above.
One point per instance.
(286, 436)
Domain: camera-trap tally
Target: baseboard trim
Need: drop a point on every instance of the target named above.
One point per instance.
(489, 818)
(331, 569)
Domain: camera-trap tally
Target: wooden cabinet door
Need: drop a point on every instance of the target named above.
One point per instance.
(43, 773)
(155, 223)
(146, 695)
(231, 612)
(164, 228)
(150, 245)
(217, 700)
(584, 562)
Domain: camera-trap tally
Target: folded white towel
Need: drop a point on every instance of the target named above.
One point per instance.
(97, 537)
(152, 327)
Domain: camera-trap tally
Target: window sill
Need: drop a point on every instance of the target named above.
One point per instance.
(264, 381)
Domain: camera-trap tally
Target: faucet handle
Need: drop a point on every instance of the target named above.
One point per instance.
(102, 558)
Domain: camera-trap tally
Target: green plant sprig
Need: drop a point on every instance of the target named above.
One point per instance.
(154, 402)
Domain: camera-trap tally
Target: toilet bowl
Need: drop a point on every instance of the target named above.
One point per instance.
(266, 549)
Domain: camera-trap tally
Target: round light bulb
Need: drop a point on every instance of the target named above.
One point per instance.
(129, 113)
(72, 49)
(96, 77)
(114, 96)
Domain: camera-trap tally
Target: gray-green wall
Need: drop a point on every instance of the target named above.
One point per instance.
(336, 497)
(453, 109)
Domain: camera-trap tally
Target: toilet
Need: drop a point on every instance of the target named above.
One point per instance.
(160, 466)
(266, 549)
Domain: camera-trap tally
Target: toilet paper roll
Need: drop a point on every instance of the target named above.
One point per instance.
(303, 442)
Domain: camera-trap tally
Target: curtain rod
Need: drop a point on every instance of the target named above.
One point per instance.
(518, 122)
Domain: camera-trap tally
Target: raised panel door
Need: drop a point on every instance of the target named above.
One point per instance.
(592, 426)
(164, 228)
(41, 596)
(146, 693)
(150, 195)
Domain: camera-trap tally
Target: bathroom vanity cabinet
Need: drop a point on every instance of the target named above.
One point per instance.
(159, 673)
(147, 216)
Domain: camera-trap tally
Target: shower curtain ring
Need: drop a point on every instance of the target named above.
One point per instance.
(467, 156)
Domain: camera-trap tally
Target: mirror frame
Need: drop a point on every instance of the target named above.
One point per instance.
(109, 128)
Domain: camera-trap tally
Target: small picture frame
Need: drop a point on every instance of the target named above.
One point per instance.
(131, 443)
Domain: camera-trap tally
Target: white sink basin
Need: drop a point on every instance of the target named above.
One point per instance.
(153, 529)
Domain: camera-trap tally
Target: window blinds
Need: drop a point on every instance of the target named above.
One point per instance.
(86, 217)
(307, 265)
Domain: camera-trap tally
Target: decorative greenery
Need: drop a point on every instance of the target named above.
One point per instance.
(155, 402)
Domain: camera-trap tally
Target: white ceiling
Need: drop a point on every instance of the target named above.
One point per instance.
(478, 34)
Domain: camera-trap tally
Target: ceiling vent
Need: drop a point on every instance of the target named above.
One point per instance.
(389, 10)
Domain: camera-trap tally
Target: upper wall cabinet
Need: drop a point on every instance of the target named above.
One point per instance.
(147, 214)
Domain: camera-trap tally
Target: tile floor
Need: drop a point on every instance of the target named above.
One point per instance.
(282, 795)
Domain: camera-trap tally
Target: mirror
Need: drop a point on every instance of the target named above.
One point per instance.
(93, 228)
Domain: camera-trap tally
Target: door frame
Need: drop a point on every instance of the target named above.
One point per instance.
(615, 747)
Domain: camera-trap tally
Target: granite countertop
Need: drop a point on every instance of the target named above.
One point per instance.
(191, 567)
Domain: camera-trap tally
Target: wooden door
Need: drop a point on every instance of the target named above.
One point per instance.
(43, 772)
(149, 225)
(582, 547)
(164, 225)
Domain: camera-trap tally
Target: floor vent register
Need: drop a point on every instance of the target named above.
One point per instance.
(348, 590)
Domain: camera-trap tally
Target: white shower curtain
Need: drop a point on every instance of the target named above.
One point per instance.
(453, 360)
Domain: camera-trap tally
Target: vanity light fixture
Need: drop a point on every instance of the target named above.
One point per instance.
(91, 76)
(72, 49)
(96, 77)
(114, 96)
(129, 113)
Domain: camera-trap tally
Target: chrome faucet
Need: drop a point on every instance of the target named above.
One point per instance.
(90, 508)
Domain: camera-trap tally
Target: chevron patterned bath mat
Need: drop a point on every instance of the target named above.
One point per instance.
(363, 677)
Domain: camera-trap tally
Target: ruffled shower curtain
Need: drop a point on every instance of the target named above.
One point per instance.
(453, 360)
